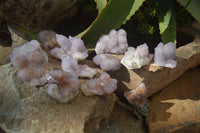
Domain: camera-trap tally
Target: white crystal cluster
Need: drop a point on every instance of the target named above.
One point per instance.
(165, 54)
(63, 86)
(32, 63)
(137, 96)
(115, 42)
(136, 58)
(100, 86)
(107, 62)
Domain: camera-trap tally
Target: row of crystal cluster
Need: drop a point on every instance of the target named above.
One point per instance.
(31, 59)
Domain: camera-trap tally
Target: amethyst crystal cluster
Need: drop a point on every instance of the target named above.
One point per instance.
(103, 85)
(32, 63)
(137, 96)
(113, 43)
(165, 54)
(31, 60)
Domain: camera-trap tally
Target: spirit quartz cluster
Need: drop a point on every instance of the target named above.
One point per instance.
(32, 62)
(103, 85)
(113, 43)
(165, 54)
(137, 96)
(71, 46)
(136, 58)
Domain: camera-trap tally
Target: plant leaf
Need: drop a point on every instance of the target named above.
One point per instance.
(101, 4)
(134, 8)
(167, 22)
(116, 13)
(193, 7)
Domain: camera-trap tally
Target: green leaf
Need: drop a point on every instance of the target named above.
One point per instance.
(193, 6)
(116, 13)
(167, 23)
(135, 6)
(101, 4)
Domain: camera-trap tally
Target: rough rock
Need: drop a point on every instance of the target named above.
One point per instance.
(4, 54)
(18, 38)
(177, 107)
(36, 15)
(30, 109)
(155, 77)
(122, 121)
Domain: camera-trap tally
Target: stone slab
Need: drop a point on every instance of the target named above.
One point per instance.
(177, 107)
(29, 109)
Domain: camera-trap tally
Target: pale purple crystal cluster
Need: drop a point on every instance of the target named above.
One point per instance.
(71, 46)
(137, 96)
(86, 71)
(48, 39)
(100, 86)
(107, 62)
(165, 54)
(63, 86)
(32, 63)
(71, 66)
(113, 43)
(61, 46)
